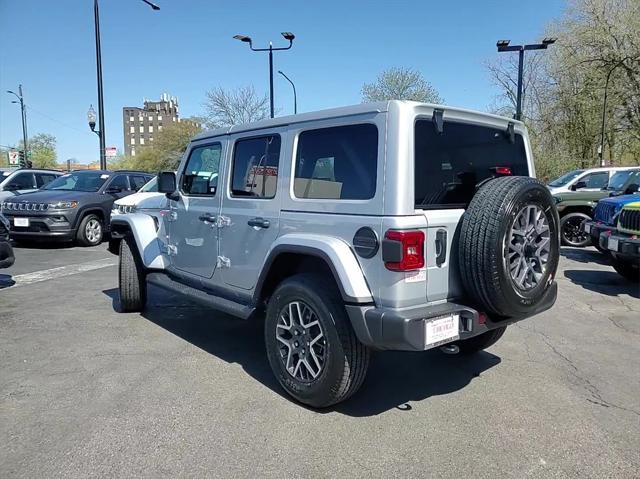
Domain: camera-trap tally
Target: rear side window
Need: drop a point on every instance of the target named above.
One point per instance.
(255, 167)
(596, 180)
(120, 181)
(338, 163)
(450, 166)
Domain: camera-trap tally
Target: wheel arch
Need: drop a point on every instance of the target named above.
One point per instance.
(586, 209)
(143, 229)
(298, 253)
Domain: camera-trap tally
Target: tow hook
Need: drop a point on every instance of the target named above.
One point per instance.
(450, 349)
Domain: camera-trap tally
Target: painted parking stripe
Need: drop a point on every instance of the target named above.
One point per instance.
(53, 273)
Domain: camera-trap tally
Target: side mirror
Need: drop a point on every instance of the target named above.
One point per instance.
(578, 185)
(632, 188)
(167, 184)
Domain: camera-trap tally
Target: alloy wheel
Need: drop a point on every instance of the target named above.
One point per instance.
(529, 247)
(93, 231)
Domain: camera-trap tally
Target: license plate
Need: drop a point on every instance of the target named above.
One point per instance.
(441, 330)
(587, 228)
(613, 244)
(21, 222)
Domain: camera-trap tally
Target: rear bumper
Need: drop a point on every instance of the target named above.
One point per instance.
(405, 329)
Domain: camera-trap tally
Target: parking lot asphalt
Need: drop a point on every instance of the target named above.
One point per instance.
(182, 391)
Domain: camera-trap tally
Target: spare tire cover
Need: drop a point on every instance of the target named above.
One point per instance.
(509, 245)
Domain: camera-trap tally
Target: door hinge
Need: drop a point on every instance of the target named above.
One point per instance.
(222, 221)
(171, 250)
(223, 262)
(169, 215)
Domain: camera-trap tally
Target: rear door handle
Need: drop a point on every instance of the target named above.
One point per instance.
(259, 223)
(441, 247)
(207, 218)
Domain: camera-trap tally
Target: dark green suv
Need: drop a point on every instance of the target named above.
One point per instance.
(576, 207)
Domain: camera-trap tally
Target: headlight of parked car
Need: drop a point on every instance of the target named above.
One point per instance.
(123, 209)
(63, 205)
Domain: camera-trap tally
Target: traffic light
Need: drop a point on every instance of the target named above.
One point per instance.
(21, 159)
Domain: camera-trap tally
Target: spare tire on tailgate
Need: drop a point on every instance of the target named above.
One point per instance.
(509, 245)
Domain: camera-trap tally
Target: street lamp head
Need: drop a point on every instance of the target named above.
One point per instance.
(288, 36)
(91, 116)
(548, 40)
(243, 38)
(503, 43)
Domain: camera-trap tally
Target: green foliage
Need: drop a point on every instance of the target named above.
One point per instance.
(400, 84)
(165, 152)
(42, 151)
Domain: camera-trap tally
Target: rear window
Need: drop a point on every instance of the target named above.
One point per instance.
(450, 166)
(338, 163)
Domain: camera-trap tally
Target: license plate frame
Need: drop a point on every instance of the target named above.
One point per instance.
(21, 222)
(612, 244)
(442, 330)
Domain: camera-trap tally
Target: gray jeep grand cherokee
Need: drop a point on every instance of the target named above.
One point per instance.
(75, 206)
(394, 225)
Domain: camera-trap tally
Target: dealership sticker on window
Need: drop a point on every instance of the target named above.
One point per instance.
(415, 276)
(104, 177)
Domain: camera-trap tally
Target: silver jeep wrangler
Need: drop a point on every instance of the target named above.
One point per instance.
(394, 225)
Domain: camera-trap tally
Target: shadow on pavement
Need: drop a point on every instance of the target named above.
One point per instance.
(603, 282)
(6, 281)
(394, 379)
(585, 255)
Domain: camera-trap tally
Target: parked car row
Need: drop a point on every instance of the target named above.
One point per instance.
(607, 217)
(75, 206)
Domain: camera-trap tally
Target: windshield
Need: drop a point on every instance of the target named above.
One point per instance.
(619, 178)
(449, 167)
(564, 179)
(80, 181)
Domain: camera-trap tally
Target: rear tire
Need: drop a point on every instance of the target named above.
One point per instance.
(131, 278)
(629, 269)
(90, 231)
(337, 361)
(572, 230)
(480, 342)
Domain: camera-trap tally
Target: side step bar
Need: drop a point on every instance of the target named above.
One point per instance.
(223, 305)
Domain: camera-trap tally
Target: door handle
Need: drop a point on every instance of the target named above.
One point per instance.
(441, 247)
(258, 222)
(207, 218)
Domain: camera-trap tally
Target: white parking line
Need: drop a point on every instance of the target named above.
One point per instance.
(53, 273)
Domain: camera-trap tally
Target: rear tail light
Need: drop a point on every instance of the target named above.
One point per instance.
(503, 170)
(403, 250)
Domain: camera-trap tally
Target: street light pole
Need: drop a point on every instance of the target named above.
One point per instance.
(23, 113)
(604, 109)
(503, 46)
(287, 36)
(101, 131)
(295, 96)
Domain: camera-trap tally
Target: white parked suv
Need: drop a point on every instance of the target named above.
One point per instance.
(394, 225)
(592, 179)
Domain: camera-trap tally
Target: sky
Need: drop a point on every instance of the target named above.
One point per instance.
(186, 49)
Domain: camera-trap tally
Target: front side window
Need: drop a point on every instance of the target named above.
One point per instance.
(119, 183)
(450, 166)
(200, 175)
(255, 167)
(22, 181)
(151, 186)
(337, 163)
(596, 180)
(137, 181)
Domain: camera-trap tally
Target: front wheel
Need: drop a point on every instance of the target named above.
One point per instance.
(90, 231)
(131, 278)
(572, 230)
(311, 346)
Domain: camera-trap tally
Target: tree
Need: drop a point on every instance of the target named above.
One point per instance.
(400, 84)
(166, 150)
(235, 107)
(42, 151)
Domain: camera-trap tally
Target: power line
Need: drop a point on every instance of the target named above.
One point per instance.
(55, 120)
